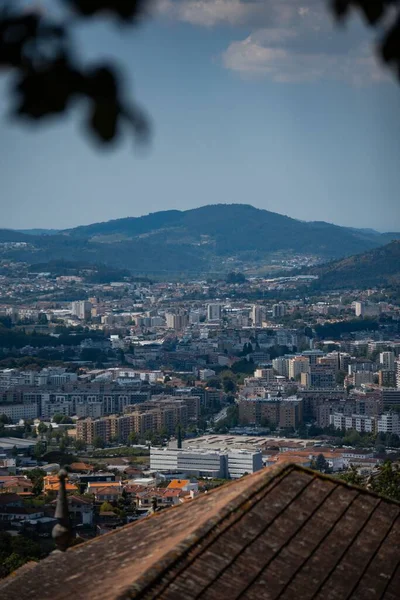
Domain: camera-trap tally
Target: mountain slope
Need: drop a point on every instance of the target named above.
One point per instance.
(234, 228)
(197, 240)
(378, 267)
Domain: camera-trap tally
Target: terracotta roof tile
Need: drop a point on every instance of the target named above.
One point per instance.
(178, 484)
(286, 533)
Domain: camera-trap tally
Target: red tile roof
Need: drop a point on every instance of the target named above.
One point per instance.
(108, 491)
(287, 533)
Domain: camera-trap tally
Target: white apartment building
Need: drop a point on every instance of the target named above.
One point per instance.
(94, 410)
(298, 365)
(176, 321)
(398, 374)
(358, 422)
(281, 365)
(206, 374)
(16, 412)
(279, 310)
(214, 312)
(81, 309)
(205, 463)
(11, 378)
(257, 315)
(198, 463)
(389, 423)
(386, 360)
(366, 309)
(241, 462)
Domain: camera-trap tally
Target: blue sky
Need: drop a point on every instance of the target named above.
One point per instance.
(251, 101)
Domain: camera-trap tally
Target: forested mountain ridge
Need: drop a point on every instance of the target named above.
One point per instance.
(379, 267)
(196, 240)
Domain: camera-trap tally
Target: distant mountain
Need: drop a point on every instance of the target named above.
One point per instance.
(198, 241)
(378, 267)
(233, 228)
(39, 231)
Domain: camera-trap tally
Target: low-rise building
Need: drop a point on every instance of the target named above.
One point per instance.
(205, 463)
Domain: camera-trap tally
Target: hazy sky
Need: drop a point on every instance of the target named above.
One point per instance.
(252, 101)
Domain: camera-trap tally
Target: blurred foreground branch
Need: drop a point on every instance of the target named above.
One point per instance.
(47, 77)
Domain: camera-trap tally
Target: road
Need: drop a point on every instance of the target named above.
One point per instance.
(221, 415)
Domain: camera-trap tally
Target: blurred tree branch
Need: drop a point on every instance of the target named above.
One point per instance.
(47, 77)
(382, 14)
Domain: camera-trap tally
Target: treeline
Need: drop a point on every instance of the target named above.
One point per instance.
(13, 338)
(335, 330)
(93, 273)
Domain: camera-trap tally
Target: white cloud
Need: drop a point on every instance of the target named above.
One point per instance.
(291, 40)
(260, 13)
(275, 56)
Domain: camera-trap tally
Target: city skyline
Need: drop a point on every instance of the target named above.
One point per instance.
(271, 106)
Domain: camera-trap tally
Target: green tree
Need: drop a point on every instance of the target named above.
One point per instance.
(387, 482)
(133, 438)
(49, 433)
(16, 551)
(340, 377)
(80, 445)
(229, 385)
(98, 442)
(42, 319)
(13, 562)
(321, 464)
(42, 428)
(38, 450)
(352, 476)
(106, 507)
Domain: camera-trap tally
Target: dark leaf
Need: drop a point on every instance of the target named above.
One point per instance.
(15, 33)
(125, 9)
(47, 91)
(102, 83)
(340, 7)
(372, 9)
(104, 121)
(390, 47)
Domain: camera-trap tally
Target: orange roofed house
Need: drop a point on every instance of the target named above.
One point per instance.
(183, 485)
(81, 467)
(103, 491)
(51, 483)
(16, 484)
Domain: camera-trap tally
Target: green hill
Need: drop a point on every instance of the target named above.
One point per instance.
(233, 228)
(196, 241)
(378, 267)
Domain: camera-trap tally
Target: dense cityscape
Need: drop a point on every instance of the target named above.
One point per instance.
(153, 392)
(199, 300)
